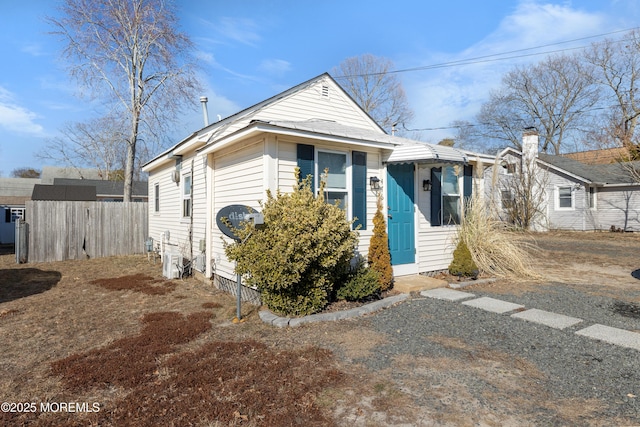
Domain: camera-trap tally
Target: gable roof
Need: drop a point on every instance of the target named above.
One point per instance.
(208, 134)
(613, 173)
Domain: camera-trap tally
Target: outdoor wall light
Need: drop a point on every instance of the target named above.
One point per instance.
(426, 185)
(375, 183)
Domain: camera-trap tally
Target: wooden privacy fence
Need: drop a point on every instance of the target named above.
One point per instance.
(79, 230)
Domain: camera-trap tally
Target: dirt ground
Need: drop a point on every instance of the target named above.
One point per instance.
(109, 342)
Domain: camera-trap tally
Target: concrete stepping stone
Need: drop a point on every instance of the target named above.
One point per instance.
(446, 294)
(493, 305)
(611, 335)
(547, 318)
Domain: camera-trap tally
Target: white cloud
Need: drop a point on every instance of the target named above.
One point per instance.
(17, 119)
(34, 49)
(457, 93)
(241, 30)
(276, 67)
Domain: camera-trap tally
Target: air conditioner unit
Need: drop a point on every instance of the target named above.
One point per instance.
(170, 265)
(200, 263)
(175, 176)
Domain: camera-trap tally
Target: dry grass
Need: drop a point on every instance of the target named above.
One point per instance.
(157, 352)
(495, 250)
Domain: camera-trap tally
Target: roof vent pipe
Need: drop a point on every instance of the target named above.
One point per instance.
(205, 113)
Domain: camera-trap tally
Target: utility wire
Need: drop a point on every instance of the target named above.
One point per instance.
(491, 58)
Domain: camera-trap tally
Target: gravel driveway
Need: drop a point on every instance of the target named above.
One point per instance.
(466, 366)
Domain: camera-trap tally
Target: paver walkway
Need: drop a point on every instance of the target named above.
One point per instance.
(607, 334)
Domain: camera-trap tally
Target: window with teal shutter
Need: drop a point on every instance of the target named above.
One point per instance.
(306, 162)
(467, 182)
(359, 184)
(436, 193)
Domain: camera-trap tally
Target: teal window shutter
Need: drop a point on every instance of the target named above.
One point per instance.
(306, 163)
(467, 182)
(359, 193)
(436, 196)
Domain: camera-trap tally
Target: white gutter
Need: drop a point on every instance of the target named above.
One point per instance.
(257, 128)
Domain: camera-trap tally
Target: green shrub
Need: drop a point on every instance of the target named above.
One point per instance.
(379, 256)
(463, 264)
(300, 255)
(363, 282)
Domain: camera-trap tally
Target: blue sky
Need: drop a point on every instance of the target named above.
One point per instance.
(250, 50)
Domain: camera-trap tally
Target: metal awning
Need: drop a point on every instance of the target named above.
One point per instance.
(426, 153)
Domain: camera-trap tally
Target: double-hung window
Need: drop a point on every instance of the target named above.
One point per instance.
(346, 178)
(565, 198)
(186, 195)
(450, 196)
(335, 163)
(450, 185)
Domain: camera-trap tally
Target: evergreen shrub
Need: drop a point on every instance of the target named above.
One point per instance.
(362, 283)
(379, 256)
(463, 264)
(300, 255)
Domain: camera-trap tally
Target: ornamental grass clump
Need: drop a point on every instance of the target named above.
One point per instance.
(301, 255)
(495, 250)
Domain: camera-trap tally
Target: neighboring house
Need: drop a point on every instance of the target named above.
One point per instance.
(577, 196)
(313, 126)
(57, 184)
(109, 191)
(14, 192)
(67, 193)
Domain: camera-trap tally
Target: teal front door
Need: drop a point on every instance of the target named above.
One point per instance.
(401, 226)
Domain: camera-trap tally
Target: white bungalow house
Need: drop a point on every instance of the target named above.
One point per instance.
(575, 196)
(313, 126)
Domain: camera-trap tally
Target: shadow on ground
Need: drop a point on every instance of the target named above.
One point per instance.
(23, 282)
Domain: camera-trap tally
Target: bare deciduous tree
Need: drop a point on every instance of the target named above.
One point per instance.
(370, 82)
(522, 198)
(99, 143)
(617, 65)
(550, 96)
(130, 54)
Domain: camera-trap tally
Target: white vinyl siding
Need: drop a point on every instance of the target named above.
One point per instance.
(239, 179)
(169, 218)
(619, 207)
(321, 100)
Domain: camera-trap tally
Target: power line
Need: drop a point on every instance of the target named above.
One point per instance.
(495, 56)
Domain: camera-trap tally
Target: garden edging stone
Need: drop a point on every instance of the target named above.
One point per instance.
(268, 316)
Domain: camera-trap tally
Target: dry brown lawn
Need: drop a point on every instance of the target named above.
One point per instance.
(149, 351)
